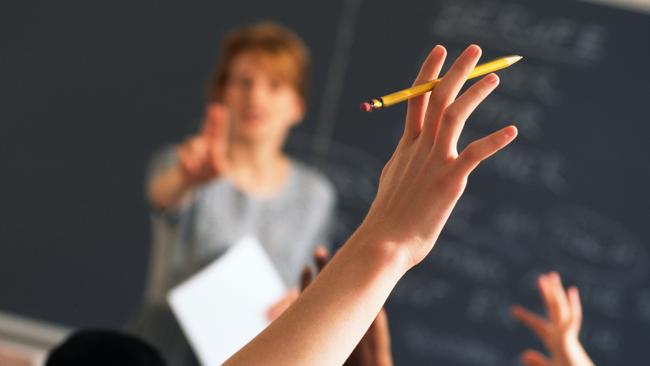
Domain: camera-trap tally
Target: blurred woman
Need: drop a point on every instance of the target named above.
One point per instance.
(232, 178)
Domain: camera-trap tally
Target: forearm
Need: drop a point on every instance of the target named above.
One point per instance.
(168, 188)
(339, 306)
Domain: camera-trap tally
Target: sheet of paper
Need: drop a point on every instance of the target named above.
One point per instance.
(224, 306)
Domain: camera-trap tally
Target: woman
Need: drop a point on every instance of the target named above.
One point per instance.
(233, 179)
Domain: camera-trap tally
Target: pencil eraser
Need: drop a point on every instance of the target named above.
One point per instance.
(366, 107)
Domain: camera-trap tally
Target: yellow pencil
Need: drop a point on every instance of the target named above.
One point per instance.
(402, 95)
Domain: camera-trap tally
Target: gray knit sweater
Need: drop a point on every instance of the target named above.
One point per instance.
(289, 226)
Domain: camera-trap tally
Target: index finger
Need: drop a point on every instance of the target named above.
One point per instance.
(445, 93)
(564, 310)
(321, 257)
(417, 105)
(215, 124)
(547, 295)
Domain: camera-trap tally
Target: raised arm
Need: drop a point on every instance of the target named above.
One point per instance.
(200, 158)
(374, 347)
(418, 188)
(559, 332)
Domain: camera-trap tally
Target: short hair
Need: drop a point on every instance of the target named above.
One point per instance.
(284, 53)
(103, 348)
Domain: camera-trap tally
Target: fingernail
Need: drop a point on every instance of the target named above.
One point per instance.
(492, 78)
(473, 50)
(320, 250)
(511, 131)
(438, 50)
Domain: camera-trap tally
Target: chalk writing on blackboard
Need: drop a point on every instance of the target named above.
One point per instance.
(511, 25)
(431, 344)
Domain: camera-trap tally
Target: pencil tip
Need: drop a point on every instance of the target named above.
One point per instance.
(514, 58)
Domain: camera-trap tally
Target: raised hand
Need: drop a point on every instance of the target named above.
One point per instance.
(421, 183)
(418, 189)
(203, 157)
(374, 347)
(560, 330)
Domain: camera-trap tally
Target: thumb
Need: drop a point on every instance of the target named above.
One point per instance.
(533, 358)
(532, 321)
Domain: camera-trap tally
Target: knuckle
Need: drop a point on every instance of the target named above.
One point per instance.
(472, 151)
(384, 170)
(452, 114)
(495, 141)
(481, 90)
(437, 98)
(467, 68)
(453, 187)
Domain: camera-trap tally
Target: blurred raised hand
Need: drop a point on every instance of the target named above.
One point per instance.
(203, 156)
(559, 330)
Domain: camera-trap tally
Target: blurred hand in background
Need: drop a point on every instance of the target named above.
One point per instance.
(559, 331)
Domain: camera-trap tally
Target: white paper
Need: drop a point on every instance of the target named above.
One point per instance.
(223, 307)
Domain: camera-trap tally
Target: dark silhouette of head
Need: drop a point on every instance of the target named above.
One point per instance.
(104, 348)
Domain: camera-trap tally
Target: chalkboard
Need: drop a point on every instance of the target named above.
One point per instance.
(569, 195)
(90, 90)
